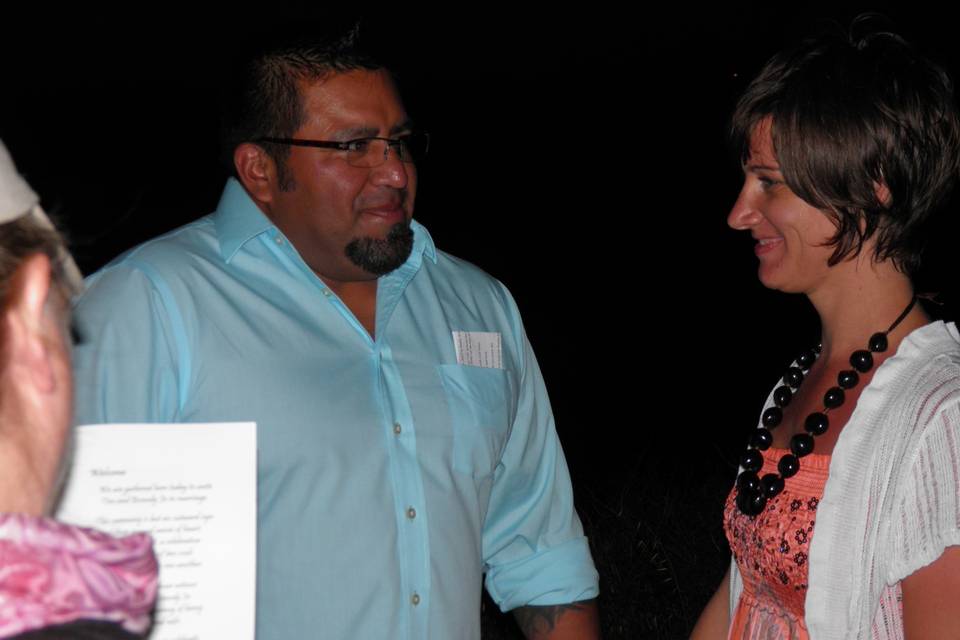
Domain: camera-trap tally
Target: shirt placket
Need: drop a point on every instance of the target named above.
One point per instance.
(408, 495)
(399, 437)
(405, 471)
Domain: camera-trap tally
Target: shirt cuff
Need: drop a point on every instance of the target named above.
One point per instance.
(559, 575)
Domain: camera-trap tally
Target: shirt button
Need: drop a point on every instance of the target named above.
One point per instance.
(279, 240)
(397, 428)
(411, 513)
(415, 599)
(326, 292)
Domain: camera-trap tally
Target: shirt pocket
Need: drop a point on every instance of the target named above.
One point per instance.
(479, 402)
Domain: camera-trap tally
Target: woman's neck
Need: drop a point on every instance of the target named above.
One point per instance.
(867, 297)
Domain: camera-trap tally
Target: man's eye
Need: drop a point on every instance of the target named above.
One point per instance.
(358, 146)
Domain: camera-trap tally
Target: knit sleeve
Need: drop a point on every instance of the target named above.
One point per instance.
(925, 518)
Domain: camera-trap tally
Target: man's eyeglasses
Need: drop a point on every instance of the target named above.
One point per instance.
(367, 153)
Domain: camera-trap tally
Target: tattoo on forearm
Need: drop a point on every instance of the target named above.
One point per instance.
(535, 621)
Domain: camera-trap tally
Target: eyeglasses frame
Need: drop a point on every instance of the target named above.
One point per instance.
(345, 145)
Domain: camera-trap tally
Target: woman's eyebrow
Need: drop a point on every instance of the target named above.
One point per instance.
(760, 167)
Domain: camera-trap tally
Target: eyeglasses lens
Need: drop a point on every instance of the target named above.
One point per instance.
(373, 151)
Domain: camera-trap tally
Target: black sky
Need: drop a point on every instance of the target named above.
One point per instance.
(578, 156)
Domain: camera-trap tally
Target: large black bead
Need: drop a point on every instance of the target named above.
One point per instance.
(772, 417)
(848, 379)
(878, 342)
(782, 396)
(761, 439)
(751, 460)
(806, 359)
(772, 485)
(751, 503)
(801, 444)
(793, 377)
(861, 360)
(833, 398)
(817, 423)
(748, 481)
(788, 466)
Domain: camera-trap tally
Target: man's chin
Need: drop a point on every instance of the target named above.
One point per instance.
(380, 256)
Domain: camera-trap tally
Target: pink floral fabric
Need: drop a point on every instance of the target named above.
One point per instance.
(53, 573)
(771, 551)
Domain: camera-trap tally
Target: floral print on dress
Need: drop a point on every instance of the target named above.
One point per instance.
(772, 551)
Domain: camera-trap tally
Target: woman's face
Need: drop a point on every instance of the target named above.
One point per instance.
(791, 235)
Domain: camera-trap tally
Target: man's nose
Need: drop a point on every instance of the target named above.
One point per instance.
(393, 171)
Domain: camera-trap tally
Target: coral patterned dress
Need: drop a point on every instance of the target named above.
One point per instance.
(771, 552)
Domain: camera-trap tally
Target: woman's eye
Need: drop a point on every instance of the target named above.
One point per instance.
(767, 183)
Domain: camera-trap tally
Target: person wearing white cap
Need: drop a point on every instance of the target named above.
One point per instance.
(56, 580)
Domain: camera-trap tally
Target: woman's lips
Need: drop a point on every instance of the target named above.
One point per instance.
(766, 245)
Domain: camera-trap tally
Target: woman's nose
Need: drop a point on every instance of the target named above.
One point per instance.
(744, 213)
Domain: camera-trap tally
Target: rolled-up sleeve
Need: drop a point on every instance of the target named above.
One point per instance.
(534, 549)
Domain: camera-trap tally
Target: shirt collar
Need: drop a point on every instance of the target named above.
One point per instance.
(238, 219)
(422, 243)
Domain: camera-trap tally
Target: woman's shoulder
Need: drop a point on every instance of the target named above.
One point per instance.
(918, 420)
(906, 452)
(931, 346)
(923, 375)
(938, 338)
(910, 411)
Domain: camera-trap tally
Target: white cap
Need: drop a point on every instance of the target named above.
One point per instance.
(17, 199)
(16, 196)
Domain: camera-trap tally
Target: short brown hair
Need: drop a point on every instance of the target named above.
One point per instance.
(851, 112)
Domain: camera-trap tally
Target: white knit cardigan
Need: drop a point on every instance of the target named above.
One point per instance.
(891, 504)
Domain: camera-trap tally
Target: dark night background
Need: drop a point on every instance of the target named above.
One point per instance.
(577, 156)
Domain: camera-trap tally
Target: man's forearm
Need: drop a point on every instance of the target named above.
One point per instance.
(577, 620)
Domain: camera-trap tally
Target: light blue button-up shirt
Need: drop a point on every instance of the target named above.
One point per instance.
(390, 477)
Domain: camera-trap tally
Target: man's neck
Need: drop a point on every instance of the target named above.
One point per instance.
(361, 298)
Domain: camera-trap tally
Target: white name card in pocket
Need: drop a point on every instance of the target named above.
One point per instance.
(478, 348)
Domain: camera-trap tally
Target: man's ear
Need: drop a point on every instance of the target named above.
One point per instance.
(28, 326)
(256, 170)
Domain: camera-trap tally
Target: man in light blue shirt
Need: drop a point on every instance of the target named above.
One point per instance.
(406, 442)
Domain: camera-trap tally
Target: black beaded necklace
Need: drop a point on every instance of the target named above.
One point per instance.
(754, 491)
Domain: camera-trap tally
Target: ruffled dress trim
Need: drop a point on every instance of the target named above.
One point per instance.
(53, 573)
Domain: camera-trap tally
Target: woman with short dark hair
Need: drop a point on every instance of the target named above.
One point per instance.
(844, 521)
